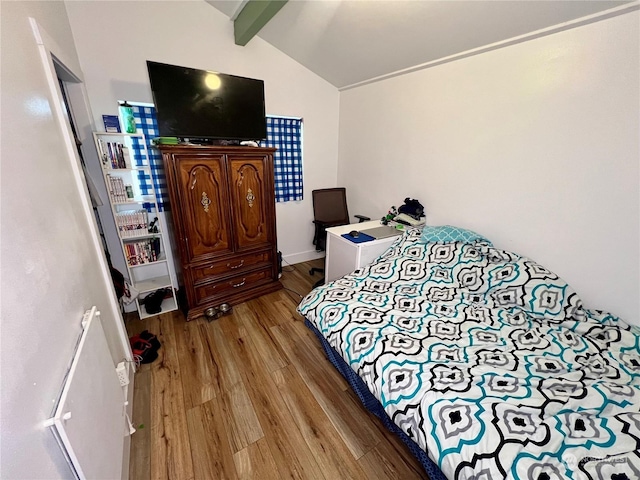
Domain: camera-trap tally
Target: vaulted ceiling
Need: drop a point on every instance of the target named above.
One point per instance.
(351, 41)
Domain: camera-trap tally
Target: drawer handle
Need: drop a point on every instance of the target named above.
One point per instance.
(236, 285)
(235, 266)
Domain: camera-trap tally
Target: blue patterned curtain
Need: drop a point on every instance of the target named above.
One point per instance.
(285, 134)
(147, 123)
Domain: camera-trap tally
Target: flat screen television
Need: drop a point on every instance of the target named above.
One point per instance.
(199, 104)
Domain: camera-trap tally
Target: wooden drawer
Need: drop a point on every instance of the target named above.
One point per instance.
(232, 285)
(203, 273)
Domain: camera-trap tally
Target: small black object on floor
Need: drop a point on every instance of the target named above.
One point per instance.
(145, 347)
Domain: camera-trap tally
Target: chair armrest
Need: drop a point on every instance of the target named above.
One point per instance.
(362, 218)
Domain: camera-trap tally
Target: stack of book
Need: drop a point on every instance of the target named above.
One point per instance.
(114, 155)
(118, 191)
(132, 223)
(145, 251)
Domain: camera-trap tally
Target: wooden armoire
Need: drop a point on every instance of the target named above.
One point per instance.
(223, 209)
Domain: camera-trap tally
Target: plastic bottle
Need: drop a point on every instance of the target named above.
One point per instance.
(126, 118)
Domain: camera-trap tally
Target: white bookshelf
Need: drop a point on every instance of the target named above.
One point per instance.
(147, 268)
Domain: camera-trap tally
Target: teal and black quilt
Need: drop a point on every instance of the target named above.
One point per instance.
(489, 361)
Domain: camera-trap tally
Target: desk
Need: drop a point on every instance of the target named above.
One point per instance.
(344, 256)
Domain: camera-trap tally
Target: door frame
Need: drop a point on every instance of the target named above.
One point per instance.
(51, 56)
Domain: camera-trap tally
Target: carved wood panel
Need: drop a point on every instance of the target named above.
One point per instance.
(250, 199)
(204, 207)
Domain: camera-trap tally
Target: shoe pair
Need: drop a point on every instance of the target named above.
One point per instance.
(144, 347)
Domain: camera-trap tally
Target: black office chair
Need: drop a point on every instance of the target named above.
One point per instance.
(329, 210)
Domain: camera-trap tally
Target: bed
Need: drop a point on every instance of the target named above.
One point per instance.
(485, 362)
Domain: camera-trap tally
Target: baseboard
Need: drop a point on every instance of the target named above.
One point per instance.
(301, 257)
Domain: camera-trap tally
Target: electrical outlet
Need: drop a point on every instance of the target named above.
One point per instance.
(123, 374)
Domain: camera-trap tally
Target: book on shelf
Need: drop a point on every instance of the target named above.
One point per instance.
(115, 188)
(114, 155)
(144, 251)
(111, 123)
(132, 223)
(118, 191)
(126, 157)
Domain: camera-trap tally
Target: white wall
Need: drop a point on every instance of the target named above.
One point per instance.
(194, 34)
(535, 145)
(50, 267)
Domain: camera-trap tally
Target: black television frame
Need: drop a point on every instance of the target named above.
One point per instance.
(187, 106)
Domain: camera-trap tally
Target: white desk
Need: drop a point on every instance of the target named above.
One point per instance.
(343, 256)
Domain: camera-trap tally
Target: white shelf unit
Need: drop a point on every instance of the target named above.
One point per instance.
(133, 209)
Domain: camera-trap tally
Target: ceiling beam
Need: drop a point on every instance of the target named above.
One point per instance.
(254, 16)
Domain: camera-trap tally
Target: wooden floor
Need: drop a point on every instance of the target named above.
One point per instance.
(252, 395)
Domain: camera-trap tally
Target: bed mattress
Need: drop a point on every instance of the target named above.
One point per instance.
(488, 361)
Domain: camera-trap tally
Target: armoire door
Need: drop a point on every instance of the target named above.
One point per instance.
(204, 206)
(252, 200)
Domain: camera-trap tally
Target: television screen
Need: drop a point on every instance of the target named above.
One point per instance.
(194, 103)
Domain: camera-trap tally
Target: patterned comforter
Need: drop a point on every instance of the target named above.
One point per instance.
(489, 361)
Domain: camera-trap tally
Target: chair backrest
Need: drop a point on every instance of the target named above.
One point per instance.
(330, 206)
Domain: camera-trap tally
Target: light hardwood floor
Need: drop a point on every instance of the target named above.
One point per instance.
(252, 395)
